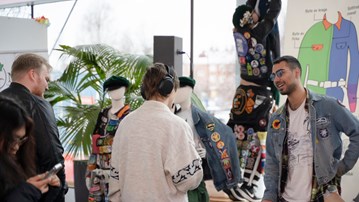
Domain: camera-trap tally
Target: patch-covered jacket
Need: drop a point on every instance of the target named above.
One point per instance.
(221, 147)
(328, 119)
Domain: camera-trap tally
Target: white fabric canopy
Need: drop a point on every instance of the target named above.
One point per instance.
(16, 3)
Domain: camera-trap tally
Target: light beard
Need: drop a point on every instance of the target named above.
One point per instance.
(290, 89)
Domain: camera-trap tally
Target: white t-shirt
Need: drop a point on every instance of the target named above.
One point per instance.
(300, 153)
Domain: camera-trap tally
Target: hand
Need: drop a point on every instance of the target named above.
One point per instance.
(39, 182)
(54, 181)
(201, 152)
(333, 197)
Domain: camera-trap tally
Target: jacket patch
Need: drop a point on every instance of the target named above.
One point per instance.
(210, 126)
(215, 137)
(323, 133)
(276, 124)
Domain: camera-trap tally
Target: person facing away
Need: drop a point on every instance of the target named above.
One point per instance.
(98, 166)
(214, 142)
(153, 153)
(253, 98)
(30, 76)
(18, 179)
(304, 146)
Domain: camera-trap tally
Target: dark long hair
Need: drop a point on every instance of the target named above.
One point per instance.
(18, 168)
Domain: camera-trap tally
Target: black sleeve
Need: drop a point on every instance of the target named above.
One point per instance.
(273, 11)
(251, 3)
(24, 192)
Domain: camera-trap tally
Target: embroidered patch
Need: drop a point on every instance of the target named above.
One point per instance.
(220, 144)
(210, 126)
(186, 172)
(240, 136)
(215, 137)
(250, 131)
(323, 133)
(276, 124)
(247, 35)
(262, 122)
(224, 154)
(322, 121)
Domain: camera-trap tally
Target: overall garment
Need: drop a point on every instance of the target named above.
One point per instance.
(252, 103)
(328, 119)
(98, 166)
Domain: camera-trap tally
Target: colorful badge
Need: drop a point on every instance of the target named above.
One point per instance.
(210, 126)
(215, 137)
(220, 144)
(262, 122)
(323, 133)
(276, 124)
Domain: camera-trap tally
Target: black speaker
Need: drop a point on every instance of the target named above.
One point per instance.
(166, 85)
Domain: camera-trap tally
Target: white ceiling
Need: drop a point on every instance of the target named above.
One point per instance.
(16, 3)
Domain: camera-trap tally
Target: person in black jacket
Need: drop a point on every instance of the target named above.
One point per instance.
(253, 98)
(18, 180)
(30, 76)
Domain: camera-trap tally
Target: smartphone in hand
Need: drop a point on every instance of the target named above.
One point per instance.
(54, 170)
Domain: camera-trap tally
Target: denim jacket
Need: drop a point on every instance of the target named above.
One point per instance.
(328, 118)
(221, 148)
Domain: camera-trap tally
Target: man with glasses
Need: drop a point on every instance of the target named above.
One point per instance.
(304, 144)
(30, 76)
(253, 99)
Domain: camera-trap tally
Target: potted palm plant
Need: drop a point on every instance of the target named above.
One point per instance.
(87, 69)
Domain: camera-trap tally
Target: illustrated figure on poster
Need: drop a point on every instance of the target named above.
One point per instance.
(214, 142)
(98, 168)
(253, 99)
(328, 53)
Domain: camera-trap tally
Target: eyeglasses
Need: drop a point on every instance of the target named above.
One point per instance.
(20, 141)
(278, 73)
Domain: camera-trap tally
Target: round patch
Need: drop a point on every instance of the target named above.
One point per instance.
(262, 122)
(264, 52)
(262, 61)
(256, 71)
(251, 51)
(276, 124)
(254, 63)
(240, 136)
(264, 69)
(247, 35)
(323, 133)
(239, 101)
(256, 56)
(215, 137)
(254, 42)
(250, 131)
(259, 48)
(220, 144)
